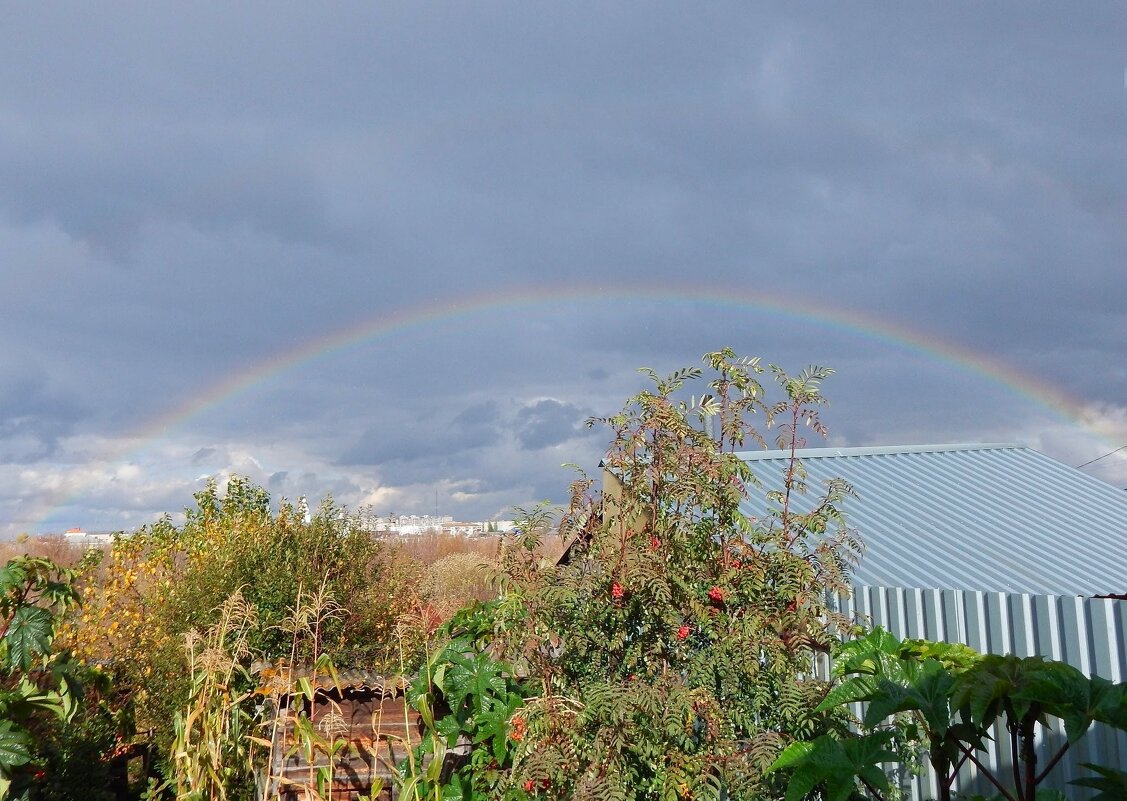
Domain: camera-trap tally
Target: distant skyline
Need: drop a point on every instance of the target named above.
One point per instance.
(391, 251)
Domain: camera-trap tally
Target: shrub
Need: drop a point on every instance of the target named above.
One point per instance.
(156, 585)
(948, 699)
(671, 654)
(37, 682)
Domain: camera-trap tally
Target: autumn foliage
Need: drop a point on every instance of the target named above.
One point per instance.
(670, 654)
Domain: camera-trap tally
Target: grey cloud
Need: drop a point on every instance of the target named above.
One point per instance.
(549, 422)
(103, 192)
(204, 455)
(189, 194)
(34, 415)
(474, 427)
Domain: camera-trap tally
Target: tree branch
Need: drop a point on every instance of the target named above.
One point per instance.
(1052, 763)
(876, 793)
(986, 772)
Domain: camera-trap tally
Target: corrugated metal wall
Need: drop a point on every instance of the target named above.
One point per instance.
(1090, 634)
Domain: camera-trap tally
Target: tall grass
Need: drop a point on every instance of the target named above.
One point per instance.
(52, 546)
(430, 548)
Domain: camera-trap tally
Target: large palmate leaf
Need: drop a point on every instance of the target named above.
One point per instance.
(28, 637)
(15, 747)
(929, 693)
(27, 700)
(992, 685)
(875, 654)
(34, 580)
(923, 687)
(852, 690)
(874, 667)
(1077, 699)
(477, 680)
(1065, 692)
(12, 575)
(836, 764)
(1111, 784)
(1108, 703)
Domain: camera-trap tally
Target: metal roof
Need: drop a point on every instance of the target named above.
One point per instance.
(998, 518)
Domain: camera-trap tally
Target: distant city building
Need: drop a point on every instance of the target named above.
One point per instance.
(462, 529)
(416, 525)
(76, 536)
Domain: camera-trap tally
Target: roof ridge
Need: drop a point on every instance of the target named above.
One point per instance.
(878, 450)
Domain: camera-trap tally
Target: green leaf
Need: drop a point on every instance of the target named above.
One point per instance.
(953, 656)
(802, 782)
(836, 763)
(12, 575)
(852, 690)
(794, 754)
(931, 693)
(325, 663)
(985, 688)
(448, 729)
(1111, 783)
(27, 700)
(870, 654)
(15, 747)
(865, 755)
(29, 636)
(1065, 692)
(305, 688)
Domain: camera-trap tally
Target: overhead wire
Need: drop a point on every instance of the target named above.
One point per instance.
(1109, 453)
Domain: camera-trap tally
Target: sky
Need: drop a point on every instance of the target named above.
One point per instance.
(399, 252)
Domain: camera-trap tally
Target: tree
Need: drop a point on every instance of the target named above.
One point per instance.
(162, 582)
(671, 653)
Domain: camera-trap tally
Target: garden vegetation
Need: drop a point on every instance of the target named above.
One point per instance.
(679, 649)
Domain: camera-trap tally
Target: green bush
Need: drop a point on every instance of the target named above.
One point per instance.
(947, 698)
(164, 581)
(77, 758)
(669, 656)
(37, 683)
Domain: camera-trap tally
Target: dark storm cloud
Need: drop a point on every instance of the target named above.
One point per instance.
(34, 414)
(187, 193)
(549, 422)
(426, 437)
(103, 192)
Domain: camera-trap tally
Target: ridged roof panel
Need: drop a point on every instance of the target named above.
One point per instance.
(999, 518)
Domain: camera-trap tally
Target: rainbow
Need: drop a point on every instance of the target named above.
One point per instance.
(453, 310)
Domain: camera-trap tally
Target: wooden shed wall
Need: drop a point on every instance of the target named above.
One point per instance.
(380, 730)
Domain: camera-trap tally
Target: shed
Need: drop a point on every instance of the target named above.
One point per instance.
(364, 713)
(991, 518)
(998, 547)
